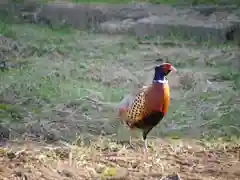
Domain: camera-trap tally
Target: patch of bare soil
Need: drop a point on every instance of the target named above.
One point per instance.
(167, 160)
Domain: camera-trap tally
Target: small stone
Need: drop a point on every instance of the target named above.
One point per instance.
(172, 177)
(11, 155)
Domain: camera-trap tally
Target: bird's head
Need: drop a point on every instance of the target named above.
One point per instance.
(165, 68)
(162, 70)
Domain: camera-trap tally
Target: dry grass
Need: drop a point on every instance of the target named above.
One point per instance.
(104, 160)
(64, 85)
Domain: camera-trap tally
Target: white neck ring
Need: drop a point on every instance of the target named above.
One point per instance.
(161, 81)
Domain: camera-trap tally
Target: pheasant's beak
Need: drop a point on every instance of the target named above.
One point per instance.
(173, 69)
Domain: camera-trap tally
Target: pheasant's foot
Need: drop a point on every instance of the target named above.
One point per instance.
(145, 150)
(145, 146)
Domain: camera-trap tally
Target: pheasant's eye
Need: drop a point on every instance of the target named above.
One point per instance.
(167, 68)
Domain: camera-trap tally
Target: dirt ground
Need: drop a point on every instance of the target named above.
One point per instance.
(34, 161)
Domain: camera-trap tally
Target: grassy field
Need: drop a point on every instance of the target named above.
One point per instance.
(168, 2)
(65, 84)
(171, 2)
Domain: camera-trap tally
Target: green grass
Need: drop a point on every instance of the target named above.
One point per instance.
(57, 70)
(126, 1)
(169, 2)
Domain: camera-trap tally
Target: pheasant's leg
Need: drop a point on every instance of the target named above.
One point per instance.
(130, 140)
(145, 133)
(145, 146)
(145, 149)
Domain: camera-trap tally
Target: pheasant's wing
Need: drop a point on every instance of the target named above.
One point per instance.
(137, 109)
(126, 102)
(131, 108)
(123, 107)
(143, 88)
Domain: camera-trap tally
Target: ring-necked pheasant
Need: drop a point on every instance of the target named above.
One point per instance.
(147, 107)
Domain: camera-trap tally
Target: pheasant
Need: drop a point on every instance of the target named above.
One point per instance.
(149, 105)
